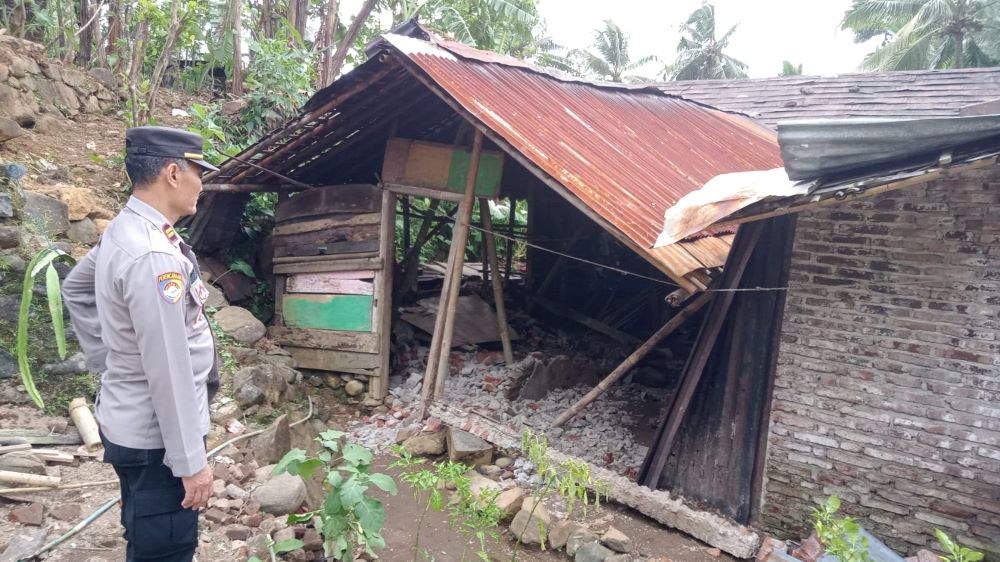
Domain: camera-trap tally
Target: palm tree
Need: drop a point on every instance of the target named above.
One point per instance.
(700, 55)
(789, 69)
(923, 34)
(612, 61)
(501, 26)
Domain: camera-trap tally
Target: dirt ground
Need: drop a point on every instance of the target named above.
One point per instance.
(102, 542)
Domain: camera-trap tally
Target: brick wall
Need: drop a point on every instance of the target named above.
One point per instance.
(887, 392)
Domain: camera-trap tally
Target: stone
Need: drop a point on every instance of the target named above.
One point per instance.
(237, 493)
(101, 224)
(479, 483)
(424, 444)
(105, 78)
(234, 107)
(771, 545)
(809, 550)
(924, 555)
(9, 129)
(31, 514)
(280, 361)
(17, 66)
(618, 558)
(561, 531)
(579, 538)
(10, 236)
(239, 324)
(6, 206)
(592, 552)
(281, 494)
(354, 388)
(17, 106)
(8, 365)
(238, 532)
(298, 555)
(467, 448)
(312, 540)
(261, 384)
(504, 462)
(285, 534)
(216, 515)
(91, 105)
(216, 299)
(61, 97)
(528, 528)
(260, 547)
(243, 355)
(73, 77)
(49, 212)
(218, 485)
(23, 544)
(510, 501)
(50, 124)
(225, 412)
(616, 540)
(270, 446)
(51, 71)
(335, 382)
(24, 462)
(72, 365)
(83, 232)
(714, 552)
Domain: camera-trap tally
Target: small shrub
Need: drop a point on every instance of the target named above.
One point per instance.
(841, 535)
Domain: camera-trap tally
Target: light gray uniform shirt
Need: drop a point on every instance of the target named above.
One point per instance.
(136, 303)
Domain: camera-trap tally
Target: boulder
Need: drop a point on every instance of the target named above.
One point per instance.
(51, 213)
(22, 461)
(468, 448)
(593, 552)
(10, 236)
(510, 501)
(8, 365)
(6, 206)
(215, 297)
(83, 232)
(105, 78)
(17, 106)
(9, 129)
(479, 484)
(261, 384)
(529, 525)
(617, 540)
(234, 107)
(281, 494)
(504, 462)
(561, 532)
(72, 365)
(424, 444)
(579, 538)
(239, 324)
(56, 95)
(270, 446)
(73, 77)
(91, 105)
(50, 124)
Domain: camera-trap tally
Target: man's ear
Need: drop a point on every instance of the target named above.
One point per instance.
(172, 173)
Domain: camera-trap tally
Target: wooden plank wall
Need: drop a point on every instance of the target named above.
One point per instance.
(333, 252)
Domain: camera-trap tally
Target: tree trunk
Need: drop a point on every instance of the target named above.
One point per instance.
(237, 48)
(297, 16)
(163, 60)
(135, 69)
(86, 27)
(267, 18)
(349, 37)
(330, 21)
(114, 33)
(102, 54)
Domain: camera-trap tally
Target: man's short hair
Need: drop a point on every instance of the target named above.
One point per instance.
(143, 170)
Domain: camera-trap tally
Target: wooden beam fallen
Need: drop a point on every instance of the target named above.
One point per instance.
(713, 529)
(497, 282)
(637, 355)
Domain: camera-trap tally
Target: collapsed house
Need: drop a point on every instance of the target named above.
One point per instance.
(784, 398)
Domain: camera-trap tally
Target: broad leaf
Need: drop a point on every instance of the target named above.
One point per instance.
(384, 483)
(357, 455)
(332, 504)
(288, 545)
(352, 491)
(308, 467)
(290, 462)
(296, 518)
(334, 479)
(56, 308)
(371, 514)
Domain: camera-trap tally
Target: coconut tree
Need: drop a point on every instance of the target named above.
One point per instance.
(924, 34)
(789, 69)
(700, 55)
(612, 60)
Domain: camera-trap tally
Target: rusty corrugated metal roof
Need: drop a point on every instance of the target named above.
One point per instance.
(626, 153)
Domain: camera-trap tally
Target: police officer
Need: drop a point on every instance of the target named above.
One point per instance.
(136, 303)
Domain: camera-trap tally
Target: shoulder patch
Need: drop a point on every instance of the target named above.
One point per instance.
(170, 233)
(171, 286)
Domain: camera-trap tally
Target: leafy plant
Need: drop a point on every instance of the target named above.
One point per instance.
(841, 535)
(43, 260)
(955, 552)
(349, 517)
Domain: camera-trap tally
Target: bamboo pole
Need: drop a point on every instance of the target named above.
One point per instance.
(29, 479)
(85, 423)
(459, 241)
(496, 281)
(637, 355)
(76, 486)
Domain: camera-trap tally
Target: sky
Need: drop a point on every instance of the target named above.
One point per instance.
(804, 32)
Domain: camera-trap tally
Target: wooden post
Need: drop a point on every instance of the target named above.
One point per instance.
(378, 386)
(636, 356)
(459, 241)
(28, 479)
(406, 223)
(85, 423)
(494, 266)
(510, 239)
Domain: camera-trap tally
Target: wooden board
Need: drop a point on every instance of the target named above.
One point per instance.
(331, 264)
(341, 361)
(334, 199)
(335, 221)
(442, 167)
(475, 321)
(336, 283)
(328, 235)
(327, 248)
(362, 342)
(352, 313)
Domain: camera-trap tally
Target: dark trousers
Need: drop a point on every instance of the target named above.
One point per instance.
(157, 528)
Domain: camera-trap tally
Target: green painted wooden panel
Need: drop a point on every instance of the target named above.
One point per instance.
(351, 313)
(487, 178)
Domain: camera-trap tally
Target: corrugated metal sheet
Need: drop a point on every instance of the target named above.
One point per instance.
(626, 153)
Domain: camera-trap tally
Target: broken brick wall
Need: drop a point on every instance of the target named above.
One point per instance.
(887, 389)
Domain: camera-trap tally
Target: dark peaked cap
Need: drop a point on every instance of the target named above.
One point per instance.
(166, 143)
